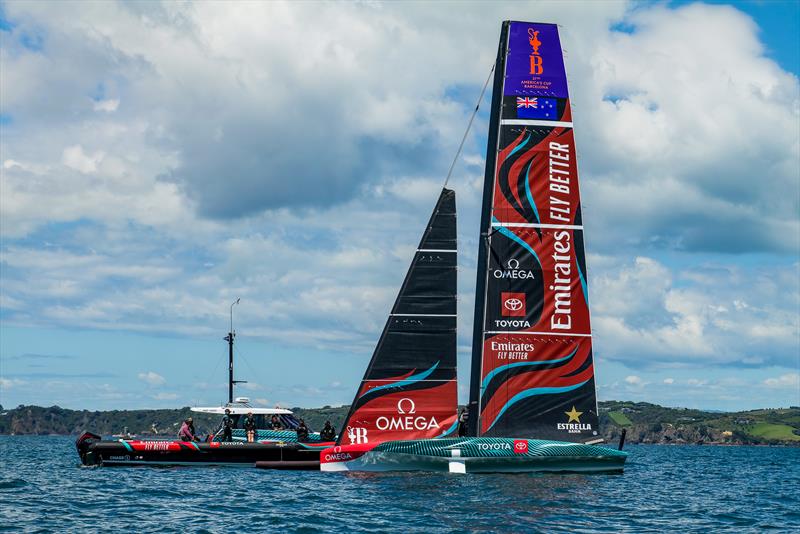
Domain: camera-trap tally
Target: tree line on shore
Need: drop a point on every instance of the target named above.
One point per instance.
(644, 422)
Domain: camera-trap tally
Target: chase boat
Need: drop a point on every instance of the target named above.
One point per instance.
(277, 449)
(272, 449)
(533, 404)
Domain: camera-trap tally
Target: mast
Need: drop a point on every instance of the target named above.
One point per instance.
(533, 374)
(409, 389)
(488, 183)
(229, 339)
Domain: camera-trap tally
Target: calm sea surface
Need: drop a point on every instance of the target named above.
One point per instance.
(43, 488)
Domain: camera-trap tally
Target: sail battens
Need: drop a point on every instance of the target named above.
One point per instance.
(421, 315)
(409, 390)
(533, 373)
(536, 225)
(532, 122)
(524, 333)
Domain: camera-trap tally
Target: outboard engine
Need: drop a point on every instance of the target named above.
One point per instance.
(85, 444)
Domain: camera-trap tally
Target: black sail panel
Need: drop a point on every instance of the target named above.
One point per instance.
(532, 367)
(409, 389)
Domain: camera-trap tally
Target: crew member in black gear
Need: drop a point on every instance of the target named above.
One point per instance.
(327, 433)
(227, 426)
(275, 423)
(250, 427)
(302, 431)
(191, 429)
(463, 417)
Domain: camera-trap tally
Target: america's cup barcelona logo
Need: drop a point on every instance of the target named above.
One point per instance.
(536, 59)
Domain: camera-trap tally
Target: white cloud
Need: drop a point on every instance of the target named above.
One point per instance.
(645, 314)
(152, 378)
(8, 383)
(318, 207)
(669, 381)
(789, 380)
(75, 158)
(633, 380)
(108, 106)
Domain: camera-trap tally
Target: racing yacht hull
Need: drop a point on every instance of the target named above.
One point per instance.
(275, 455)
(474, 455)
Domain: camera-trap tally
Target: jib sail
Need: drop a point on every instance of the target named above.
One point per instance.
(409, 390)
(532, 372)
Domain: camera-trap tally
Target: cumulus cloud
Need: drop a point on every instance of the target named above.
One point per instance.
(8, 383)
(789, 380)
(678, 135)
(152, 378)
(633, 380)
(647, 315)
(189, 154)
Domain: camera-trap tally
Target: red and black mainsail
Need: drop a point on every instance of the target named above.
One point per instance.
(532, 372)
(409, 389)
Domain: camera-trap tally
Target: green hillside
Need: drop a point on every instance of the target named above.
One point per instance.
(645, 423)
(651, 423)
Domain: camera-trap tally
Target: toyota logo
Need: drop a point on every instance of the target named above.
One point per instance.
(513, 304)
(513, 264)
(412, 408)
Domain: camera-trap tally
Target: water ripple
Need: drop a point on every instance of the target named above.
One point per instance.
(684, 488)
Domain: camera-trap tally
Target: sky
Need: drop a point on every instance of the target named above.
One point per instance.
(161, 160)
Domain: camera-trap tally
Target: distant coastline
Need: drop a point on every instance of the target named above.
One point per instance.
(645, 423)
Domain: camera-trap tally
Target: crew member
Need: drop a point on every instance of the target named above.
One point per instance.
(192, 430)
(463, 417)
(275, 423)
(186, 433)
(302, 431)
(250, 427)
(327, 433)
(227, 426)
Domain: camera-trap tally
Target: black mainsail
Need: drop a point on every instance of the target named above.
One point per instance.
(532, 372)
(409, 389)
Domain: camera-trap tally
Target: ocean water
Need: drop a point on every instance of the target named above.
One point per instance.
(43, 488)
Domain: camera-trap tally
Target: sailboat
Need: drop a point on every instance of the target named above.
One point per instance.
(533, 403)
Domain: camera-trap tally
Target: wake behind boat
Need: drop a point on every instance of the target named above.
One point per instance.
(533, 404)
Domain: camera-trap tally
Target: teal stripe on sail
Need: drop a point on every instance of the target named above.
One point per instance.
(451, 429)
(531, 392)
(502, 368)
(514, 237)
(519, 146)
(410, 380)
(583, 281)
(528, 192)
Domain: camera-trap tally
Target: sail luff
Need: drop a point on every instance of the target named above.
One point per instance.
(483, 249)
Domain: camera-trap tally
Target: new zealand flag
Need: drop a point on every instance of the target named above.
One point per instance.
(536, 108)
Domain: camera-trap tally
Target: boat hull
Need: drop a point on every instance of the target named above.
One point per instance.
(475, 455)
(96, 451)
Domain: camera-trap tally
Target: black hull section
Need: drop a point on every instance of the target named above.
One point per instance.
(95, 451)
